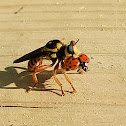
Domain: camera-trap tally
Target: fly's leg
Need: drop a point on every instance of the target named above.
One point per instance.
(40, 63)
(55, 78)
(35, 81)
(66, 76)
(39, 69)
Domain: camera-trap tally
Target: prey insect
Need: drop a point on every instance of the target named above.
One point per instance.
(79, 63)
(54, 50)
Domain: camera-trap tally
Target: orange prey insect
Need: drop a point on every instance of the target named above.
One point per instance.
(80, 62)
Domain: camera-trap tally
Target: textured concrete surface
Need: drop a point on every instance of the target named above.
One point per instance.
(100, 100)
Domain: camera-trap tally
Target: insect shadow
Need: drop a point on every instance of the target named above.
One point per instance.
(24, 79)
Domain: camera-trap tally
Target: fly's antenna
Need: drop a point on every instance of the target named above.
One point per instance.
(74, 43)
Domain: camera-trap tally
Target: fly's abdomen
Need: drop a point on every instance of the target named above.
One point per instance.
(33, 63)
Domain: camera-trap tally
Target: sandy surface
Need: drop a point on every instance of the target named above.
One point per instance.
(101, 92)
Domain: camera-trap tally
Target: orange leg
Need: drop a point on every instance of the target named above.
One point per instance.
(40, 63)
(35, 81)
(54, 73)
(67, 78)
(39, 69)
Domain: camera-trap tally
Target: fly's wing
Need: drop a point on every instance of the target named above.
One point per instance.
(34, 54)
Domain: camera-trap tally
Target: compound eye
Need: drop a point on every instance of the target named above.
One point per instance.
(73, 42)
(70, 49)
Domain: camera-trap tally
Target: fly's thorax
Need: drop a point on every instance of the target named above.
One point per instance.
(51, 56)
(54, 45)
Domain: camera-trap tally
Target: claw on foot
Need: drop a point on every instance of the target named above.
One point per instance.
(74, 91)
(63, 93)
(28, 90)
